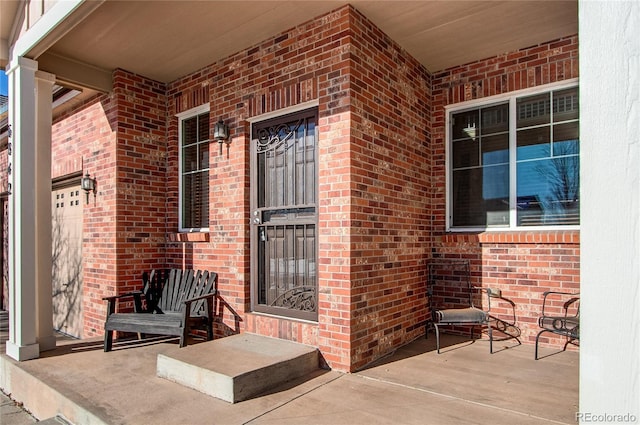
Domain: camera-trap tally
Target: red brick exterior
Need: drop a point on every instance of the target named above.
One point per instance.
(389, 237)
(381, 183)
(85, 142)
(521, 264)
(4, 211)
(334, 60)
(120, 139)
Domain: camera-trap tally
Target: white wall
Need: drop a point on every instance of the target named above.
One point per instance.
(610, 220)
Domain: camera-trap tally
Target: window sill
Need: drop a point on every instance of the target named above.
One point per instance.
(514, 237)
(189, 237)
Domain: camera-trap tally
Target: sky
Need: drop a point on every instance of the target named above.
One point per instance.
(4, 89)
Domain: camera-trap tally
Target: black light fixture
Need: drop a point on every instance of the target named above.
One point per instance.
(88, 184)
(221, 134)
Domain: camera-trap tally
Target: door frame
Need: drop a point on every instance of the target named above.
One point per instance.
(253, 233)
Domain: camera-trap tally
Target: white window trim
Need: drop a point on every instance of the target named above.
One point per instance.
(486, 101)
(181, 117)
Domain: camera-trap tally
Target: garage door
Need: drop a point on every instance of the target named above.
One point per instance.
(67, 258)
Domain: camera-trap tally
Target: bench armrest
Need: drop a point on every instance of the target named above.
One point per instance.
(111, 301)
(128, 294)
(208, 298)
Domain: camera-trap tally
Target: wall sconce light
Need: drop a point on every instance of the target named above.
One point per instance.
(88, 184)
(221, 134)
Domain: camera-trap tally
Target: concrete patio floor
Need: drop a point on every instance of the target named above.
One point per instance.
(414, 385)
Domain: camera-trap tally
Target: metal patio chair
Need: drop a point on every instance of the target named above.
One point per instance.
(453, 304)
(560, 316)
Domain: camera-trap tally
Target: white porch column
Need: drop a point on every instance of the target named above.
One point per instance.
(609, 212)
(44, 285)
(30, 302)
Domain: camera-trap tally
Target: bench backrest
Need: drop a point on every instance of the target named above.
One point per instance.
(167, 289)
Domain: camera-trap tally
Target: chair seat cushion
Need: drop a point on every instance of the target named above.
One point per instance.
(461, 315)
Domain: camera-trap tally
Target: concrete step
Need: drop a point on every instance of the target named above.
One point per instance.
(237, 367)
(56, 420)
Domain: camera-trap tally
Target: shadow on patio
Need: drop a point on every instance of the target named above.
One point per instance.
(414, 385)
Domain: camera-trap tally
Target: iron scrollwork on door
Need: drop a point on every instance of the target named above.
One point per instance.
(274, 136)
(298, 298)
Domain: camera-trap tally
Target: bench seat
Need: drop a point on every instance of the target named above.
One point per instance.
(160, 324)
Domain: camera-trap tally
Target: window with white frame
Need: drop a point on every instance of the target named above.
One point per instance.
(514, 162)
(194, 169)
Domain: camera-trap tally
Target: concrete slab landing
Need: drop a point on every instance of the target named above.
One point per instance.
(237, 367)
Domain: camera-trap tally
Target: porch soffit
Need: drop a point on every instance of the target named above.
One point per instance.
(165, 40)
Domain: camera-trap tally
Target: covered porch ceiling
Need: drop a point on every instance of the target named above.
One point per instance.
(165, 40)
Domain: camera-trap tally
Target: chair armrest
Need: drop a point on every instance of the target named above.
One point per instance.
(485, 290)
(575, 296)
(560, 293)
(570, 301)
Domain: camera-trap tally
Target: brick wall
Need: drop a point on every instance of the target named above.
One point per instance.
(388, 177)
(141, 179)
(83, 140)
(292, 68)
(120, 139)
(4, 210)
(381, 183)
(521, 264)
(373, 151)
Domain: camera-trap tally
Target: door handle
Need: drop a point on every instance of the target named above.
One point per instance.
(256, 217)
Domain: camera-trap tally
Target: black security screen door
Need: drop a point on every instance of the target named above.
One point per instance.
(284, 216)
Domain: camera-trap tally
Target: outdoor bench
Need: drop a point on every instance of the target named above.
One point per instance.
(176, 301)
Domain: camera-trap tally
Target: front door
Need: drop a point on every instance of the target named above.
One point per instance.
(284, 215)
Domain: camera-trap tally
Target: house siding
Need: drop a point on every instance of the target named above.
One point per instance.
(140, 177)
(295, 67)
(389, 169)
(84, 140)
(4, 210)
(522, 264)
(120, 139)
(373, 150)
(373, 153)
(381, 184)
